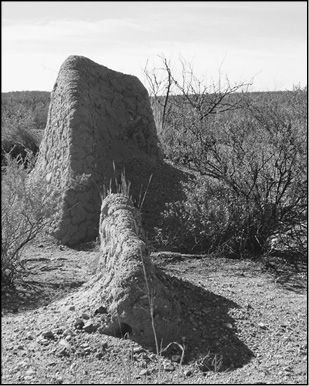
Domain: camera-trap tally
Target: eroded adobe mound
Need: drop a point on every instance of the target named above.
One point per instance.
(97, 117)
(127, 283)
(129, 296)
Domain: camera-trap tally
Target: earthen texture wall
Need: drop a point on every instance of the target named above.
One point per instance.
(97, 117)
(124, 267)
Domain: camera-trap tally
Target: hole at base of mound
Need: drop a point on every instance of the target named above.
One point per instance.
(123, 330)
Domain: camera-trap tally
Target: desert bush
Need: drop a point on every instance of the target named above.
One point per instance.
(18, 135)
(23, 119)
(26, 211)
(249, 153)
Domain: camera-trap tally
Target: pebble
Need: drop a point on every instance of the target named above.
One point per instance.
(68, 331)
(137, 350)
(65, 343)
(101, 310)
(78, 324)
(44, 342)
(144, 372)
(168, 367)
(29, 336)
(90, 327)
(262, 325)
(48, 334)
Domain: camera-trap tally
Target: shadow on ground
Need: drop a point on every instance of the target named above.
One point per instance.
(207, 331)
(30, 294)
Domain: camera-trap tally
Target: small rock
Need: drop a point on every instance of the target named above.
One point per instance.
(168, 367)
(85, 316)
(65, 343)
(68, 331)
(137, 350)
(228, 325)
(48, 334)
(90, 327)
(101, 310)
(262, 325)
(144, 372)
(44, 342)
(29, 336)
(78, 324)
(72, 308)
(20, 347)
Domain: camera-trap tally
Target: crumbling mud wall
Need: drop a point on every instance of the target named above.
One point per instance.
(97, 117)
(126, 289)
(127, 283)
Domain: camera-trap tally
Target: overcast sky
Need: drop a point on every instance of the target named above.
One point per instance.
(266, 41)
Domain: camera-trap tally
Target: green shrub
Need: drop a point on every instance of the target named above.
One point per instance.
(26, 211)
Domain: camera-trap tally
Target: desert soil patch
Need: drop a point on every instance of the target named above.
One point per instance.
(246, 325)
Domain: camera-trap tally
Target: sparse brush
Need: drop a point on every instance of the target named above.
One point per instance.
(25, 213)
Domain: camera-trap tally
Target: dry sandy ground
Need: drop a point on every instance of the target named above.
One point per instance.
(246, 325)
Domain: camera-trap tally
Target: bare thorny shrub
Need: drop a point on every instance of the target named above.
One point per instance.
(18, 133)
(248, 152)
(26, 211)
